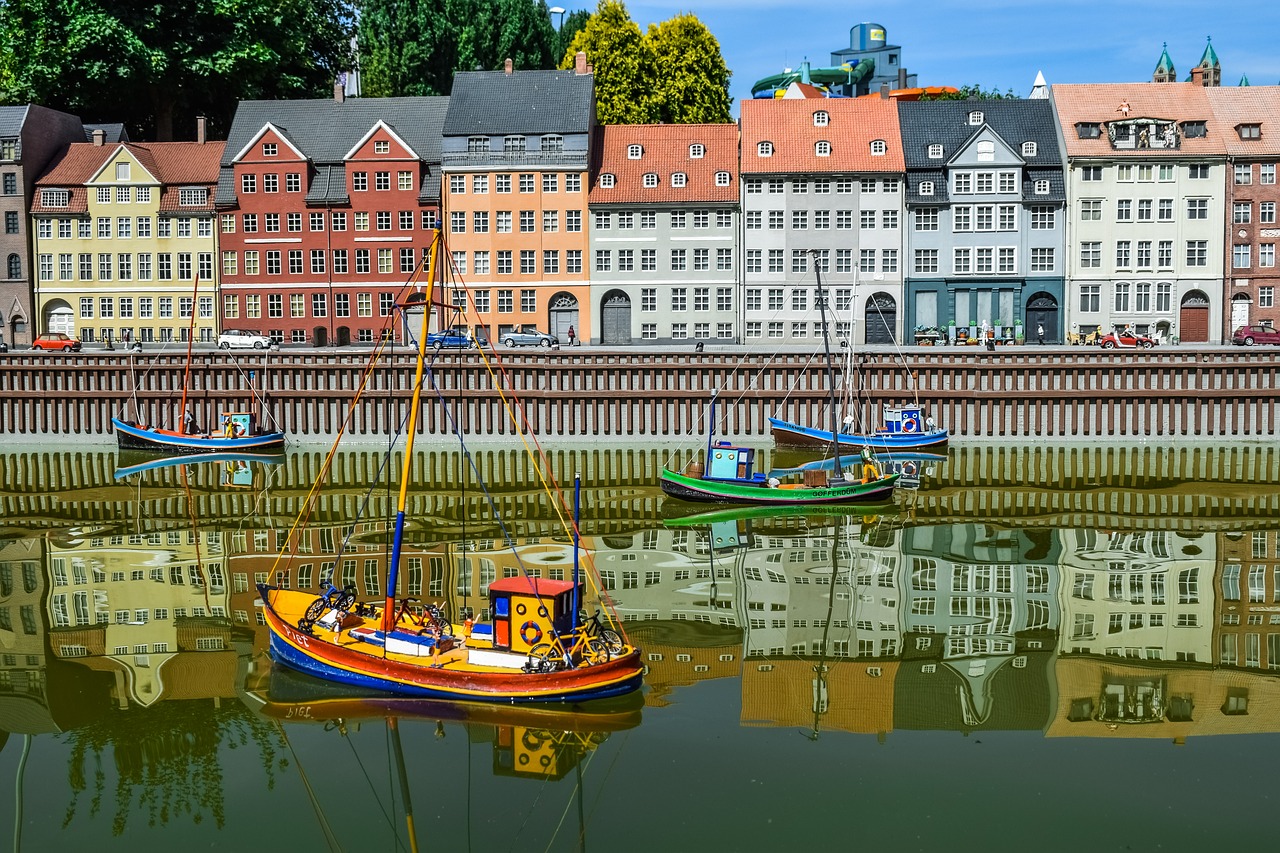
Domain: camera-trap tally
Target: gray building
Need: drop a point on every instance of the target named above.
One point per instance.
(869, 42)
(664, 233)
(29, 138)
(985, 198)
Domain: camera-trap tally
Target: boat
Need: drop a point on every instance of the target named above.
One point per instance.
(904, 428)
(727, 474)
(132, 462)
(236, 432)
(534, 646)
(909, 463)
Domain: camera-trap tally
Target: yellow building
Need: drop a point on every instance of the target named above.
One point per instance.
(125, 242)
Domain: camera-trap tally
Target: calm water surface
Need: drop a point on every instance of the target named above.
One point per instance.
(1051, 648)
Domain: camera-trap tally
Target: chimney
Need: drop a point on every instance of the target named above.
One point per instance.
(202, 129)
(902, 78)
(99, 137)
(506, 67)
(884, 91)
(580, 63)
(339, 91)
(1197, 75)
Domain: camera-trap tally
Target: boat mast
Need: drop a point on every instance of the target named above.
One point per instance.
(831, 372)
(389, 605)
(191, 338)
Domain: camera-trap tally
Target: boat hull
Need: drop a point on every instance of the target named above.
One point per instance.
(787, 434)
(363, 665)
(719, 491)
(131, 436)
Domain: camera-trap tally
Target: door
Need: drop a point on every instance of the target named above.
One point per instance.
(320, 337)
(1239, 312)
(344, 336)
(60, 318)
(881, 319)
(615, 319)
(1042, 310)
(1193, 318)
(563, 313)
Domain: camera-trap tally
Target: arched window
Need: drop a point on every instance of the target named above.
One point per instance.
(986, 151)
(650, 179)
(635, 152)
(607, 180)
(821, 118)
(1028, 149)
(822, 148)
(879, 147)
(678, 179)
(15, 266)
(722, 179)
(764, 149)
(697, 151)
(552, 144)
(935, 151)
(926, 188)
(976, 117)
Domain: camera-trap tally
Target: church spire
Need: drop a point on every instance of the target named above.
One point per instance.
(1210, 68)
(1164, 72)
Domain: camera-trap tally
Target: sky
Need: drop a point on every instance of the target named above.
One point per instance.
(998, 44)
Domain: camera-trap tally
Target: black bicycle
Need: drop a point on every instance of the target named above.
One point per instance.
(595, 628)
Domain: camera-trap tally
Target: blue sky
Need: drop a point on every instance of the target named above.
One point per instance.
(995, 43)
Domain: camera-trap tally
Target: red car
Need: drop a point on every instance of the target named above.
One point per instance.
(1126, 339)
(1249, 335)
(56, 341)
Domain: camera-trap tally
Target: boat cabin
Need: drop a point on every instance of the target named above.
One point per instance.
(900, 419)
(526, 610)
(236, 424)
(728, 462)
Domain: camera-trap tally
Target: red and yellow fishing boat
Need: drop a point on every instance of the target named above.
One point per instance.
(534, 647)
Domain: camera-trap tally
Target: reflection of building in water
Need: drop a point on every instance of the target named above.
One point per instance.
(1247, 619)
(1105, 697)
(135, 605)
(979, 600)
(681, 653)
(24, 703)
(838, 695)
(1142, 595)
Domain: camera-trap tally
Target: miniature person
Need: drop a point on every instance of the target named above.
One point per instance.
(1040, 333)
(569, 335)
(228, 428)
(189, 423)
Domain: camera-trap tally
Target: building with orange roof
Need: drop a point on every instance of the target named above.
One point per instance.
(664, 236)
(1146, 166)
(1246, 624)
(822, 187)
(125, 242)
(1249, 120)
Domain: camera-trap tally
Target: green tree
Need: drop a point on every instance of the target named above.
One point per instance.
(691, 80)
(155, 65)
(623, 64)
(971, 93)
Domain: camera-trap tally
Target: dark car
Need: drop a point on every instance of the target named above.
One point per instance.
(56, 341)
(1126, 339)
(1247, 336)
(522, 336)
(454, 338)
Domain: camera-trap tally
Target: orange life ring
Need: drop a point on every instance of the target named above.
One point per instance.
(910, 426)
(909, 469)
(529, 628)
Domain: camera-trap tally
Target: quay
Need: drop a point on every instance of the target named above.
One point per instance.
(589, 393)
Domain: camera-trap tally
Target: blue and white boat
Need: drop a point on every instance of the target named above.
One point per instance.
(905, 428)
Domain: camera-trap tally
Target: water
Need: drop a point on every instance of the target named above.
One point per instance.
(1055, 647)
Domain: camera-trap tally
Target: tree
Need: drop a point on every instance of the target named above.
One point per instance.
(570, 27)
(623, 64)
(155, 66)
(971, 93)
(691, 80)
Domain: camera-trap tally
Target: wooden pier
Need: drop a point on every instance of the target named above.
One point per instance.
(591, 393)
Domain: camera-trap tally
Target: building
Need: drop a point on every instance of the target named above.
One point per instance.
(30, 136)
(516, 152)
(1247, 118)
(986, 201)
(868, 42)
(664, 235)
(1146, 166)
(822, 187)
(328, 206)
(125, 243)
(1247, 627)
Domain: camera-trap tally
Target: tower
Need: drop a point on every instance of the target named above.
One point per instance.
(1164, 72)
(1210, 70)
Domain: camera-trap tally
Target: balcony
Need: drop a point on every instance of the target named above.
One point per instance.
(1144, 134)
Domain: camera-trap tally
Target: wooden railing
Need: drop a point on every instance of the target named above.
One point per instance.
(1016, 392)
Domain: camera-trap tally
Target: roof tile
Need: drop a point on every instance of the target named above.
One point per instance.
(789, 124)
(665, 152)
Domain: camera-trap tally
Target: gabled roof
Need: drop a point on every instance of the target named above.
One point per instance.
(665, 151)
(522, 102)
(1165, 62)
(946, 123)
(1258, 105)
(115, 132)
(11, 120)
(1100, 103)
(789, 124)
(173, 164)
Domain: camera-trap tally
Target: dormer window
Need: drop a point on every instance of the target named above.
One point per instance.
(381, 146)
(976, 117)
(678, 179)
(1249, 131)
(926, 188)
(1088, 130)
(478, 145)
(650, 180)
(764, 149)
(879, 148)
(635, 152)
(1042, 187)
(1194, 129)
(269, 149)
(822, 148)
(193, 196)
(55, 198)
(607, 181)
(697, 151)
(552, 144)
(514, 144)
(722, 179)
(986, 151)
(821, 118)
(1029, 149)
(935, 151)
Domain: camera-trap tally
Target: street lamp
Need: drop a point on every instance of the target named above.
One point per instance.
(558, 10)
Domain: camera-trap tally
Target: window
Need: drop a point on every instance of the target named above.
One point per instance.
(635, 152)
(878, 148)
(1243, 174)
(935, 151)
(722, 179)
(1028, 149)
(1267, 212)
(1241, 255)
(1042, 187)
(821, 118)
(678, 179)
(926, 261)
(764, 149)
(697, 151)
(1197, 253)
(926, 188)
(1123, 253)
(1042, 260)
(822, 148)
(1042, 218)
(1091, 254)
(1249, 131)
(650, 180)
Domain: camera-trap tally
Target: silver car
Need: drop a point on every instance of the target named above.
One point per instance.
(528, 336)
(235, 338)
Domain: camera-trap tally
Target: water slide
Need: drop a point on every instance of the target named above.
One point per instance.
(773, 86)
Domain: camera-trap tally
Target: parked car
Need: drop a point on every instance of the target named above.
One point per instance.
(522, 336)
(1249, 335)
(1127, 339)
(235, 338)
(56, 341)
(453, 338)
